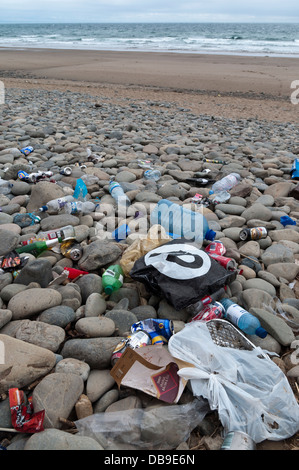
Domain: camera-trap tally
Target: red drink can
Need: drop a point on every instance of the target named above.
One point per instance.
(227, 263)
(211, 311)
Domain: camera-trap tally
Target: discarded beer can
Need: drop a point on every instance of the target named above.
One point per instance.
(157, 339)
(71, 250)
(23, 175)
(227, 263)
(134, 341)
(216, 248)
(255, 233)
(67, 171)
(237, 440)
(26, 150)
(211, 311)
(161, 327)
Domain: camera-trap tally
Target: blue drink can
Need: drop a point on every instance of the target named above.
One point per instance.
(162, 327)
(23, 175)
(27, 150)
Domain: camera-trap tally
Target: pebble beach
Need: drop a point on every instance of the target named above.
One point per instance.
(59, 336)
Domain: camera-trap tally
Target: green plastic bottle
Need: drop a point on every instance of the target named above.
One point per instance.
(112, 279)
(38, 247)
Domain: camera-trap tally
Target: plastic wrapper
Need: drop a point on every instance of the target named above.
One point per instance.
(250, 391)
(161, 428)
(155, 237)
(181, 272)
(12, 261)
(23, 418)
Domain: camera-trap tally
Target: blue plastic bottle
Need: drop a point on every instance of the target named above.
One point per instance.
(242, 319)
(295, 170)
(176, 219)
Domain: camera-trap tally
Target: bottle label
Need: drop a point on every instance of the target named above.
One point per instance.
(61, 203)
(234, 313)
(74, 208)
(117, 276)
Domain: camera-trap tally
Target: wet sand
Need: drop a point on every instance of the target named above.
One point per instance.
(220, 85)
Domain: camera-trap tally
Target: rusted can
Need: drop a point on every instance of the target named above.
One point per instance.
(237, 440)
(255, 233)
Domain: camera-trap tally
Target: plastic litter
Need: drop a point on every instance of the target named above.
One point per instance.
(250, 391)
(118, 194)
(5, 186)
(80, 191)
(286, 220)
(243, 319)
(154, 175)
(25, 220)
(112, 279)
(177, 219)
(181, 272)
(295, 169)
(155, 237)
(144, 429)
(226, 183)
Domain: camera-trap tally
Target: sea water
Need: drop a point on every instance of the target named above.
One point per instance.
(212, 38)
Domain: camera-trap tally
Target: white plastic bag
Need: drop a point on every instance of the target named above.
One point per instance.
(249, 390)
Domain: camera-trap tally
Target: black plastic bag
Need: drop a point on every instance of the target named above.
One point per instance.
(181, 272)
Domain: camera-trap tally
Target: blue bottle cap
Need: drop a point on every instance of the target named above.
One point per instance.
(211, 192)
(261, 332)
(210, 235)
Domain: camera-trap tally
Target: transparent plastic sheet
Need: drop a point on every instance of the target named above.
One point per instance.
(160, 428)
(287, 317)
(249, 390)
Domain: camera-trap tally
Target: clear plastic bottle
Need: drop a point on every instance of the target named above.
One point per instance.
(118, 193)
(112, 279)
(5, 186)
(72, 207)
(56, 205)
(154, 175)
(226, 183)
(242, 319)
(180, 221)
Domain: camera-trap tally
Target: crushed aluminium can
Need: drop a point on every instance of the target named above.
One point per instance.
(136, 340)
(211, 311)
(161, 327)
(27, 150)
(216, 248)
(255, 233)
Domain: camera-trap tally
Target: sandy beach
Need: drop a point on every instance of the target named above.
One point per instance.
(220, 85)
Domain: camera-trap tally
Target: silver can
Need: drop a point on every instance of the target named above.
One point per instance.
(237, 440)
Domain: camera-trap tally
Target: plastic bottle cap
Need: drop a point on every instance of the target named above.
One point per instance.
(261, 332)
(108, 290)
(211, 192)
(210, 235)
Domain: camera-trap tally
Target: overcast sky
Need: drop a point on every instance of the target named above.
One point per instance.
(115, 11)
